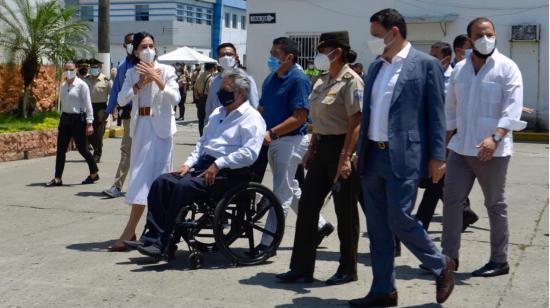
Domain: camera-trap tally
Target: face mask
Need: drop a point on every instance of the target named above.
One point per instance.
(310, 67)
(485, 46)
(129, 48)
(377, 45)
(467, 52)
(273, 63)
(322, 61)
(226, 98)
(227, 62)
(70, 74)
(147, 55)
(94, 71)
(83, 71)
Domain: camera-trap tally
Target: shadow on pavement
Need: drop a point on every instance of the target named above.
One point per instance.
(92, 246)
(92, 194)
(405, 272)
(43, 184)
(315, 302)
(325, 255)
(268, 280)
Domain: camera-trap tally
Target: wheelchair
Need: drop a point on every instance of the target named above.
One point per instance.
(233, 225)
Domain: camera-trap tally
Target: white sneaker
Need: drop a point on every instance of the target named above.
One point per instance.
(113, 192)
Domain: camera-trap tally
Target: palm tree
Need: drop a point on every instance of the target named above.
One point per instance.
(45, 31)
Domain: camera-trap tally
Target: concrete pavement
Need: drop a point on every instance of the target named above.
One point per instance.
(53, 248)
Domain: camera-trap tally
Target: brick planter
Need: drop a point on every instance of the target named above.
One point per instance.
(26, 145)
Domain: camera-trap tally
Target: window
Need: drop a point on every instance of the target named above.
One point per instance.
(209, 17)
(227, 20)
(307, 44)
(190, 14)
(243, 22)
(198, 16)
(234, 21)
(142, 12)
(87, 12)
(180, 11)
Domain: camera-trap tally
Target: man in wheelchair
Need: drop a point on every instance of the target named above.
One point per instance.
(230, 144)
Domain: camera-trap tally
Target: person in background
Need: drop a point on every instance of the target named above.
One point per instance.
(184, 80)
(100, 87)
(484, 104)
(228, 58)
(76, 123)
(195, 74)
(201, 92)
(402, 140)
(82, 67)
(153, 91)
(462, 48)
(123, 116)
(311, 72)
(358, 69)
(434, 191)
(335, 112)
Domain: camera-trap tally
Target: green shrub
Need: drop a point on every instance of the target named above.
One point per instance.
(39, 121)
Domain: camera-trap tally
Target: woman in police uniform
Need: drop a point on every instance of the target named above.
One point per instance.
(335, 113)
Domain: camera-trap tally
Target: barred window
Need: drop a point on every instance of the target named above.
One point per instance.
(307, 43)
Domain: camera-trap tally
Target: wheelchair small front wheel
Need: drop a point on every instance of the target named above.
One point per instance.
(246, 217)
(195, 260)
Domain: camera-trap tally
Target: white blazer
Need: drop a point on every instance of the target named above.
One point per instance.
(162, 102)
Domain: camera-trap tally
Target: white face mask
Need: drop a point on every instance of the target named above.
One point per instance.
(227, 62)
(485, 45)
(129, 48)
(467, 52)
(377, 45)
(322, 62)
(94, 71)
(70, 74)
(147, 55)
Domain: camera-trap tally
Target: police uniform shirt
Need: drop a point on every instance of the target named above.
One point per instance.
(334, 100)
(75, 98)
(100, 87)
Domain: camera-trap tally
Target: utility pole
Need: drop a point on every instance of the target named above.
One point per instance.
(103, 38)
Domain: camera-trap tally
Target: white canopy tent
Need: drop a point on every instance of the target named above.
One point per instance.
(185, 55)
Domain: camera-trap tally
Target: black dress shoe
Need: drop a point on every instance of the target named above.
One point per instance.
(375, 300)
(492, 269)
(295, 276)
(90, 180)
(325, 231)
(422, 267)
(151, 251)
(339, 278)
(53, 182)
(469, 217)
(445, 282)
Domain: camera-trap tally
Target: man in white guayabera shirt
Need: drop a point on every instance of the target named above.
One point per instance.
(483, 104)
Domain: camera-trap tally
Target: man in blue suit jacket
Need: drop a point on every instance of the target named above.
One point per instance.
(402, 139)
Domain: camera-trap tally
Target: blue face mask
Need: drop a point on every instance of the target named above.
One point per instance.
(273, 63)
(226, 98)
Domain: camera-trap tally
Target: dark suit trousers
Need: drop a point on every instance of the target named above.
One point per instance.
(317, 185)
(96, 139)
(72, 126)
(169, 193)
(388, 204)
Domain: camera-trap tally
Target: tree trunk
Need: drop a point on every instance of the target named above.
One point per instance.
(25, 105)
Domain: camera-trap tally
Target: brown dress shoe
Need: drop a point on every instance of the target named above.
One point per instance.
(375, 300)
(445, 282)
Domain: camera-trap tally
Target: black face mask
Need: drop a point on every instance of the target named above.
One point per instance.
(226, 98)
(480, 55)
(83, 71)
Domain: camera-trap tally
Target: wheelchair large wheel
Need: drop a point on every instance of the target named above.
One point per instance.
(202, 235)
(240, 222)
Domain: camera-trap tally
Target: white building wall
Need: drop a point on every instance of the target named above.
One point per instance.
(237, 35)
(353, 15)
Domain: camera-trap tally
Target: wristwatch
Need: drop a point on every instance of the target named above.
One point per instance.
(497, 138)
(273, 135)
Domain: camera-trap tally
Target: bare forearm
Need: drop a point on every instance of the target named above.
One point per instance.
(352, 134)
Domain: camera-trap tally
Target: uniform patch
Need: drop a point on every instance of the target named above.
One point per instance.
(348, 75)
(358, 95)
(332, 94)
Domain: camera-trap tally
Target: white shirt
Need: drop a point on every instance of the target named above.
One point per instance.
(447, 77)
(75, 98)
(382, 93)
(212, 101)
(477, 104)
(234, 139)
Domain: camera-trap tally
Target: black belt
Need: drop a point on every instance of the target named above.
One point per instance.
(381, 145)
(328, 138)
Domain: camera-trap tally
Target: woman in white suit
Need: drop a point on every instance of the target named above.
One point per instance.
(153, 91)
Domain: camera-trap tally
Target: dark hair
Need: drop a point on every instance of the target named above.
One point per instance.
(359, 65)
(444, 47)
(288, 46)
(478, 20)
(127, 36)
(348, 55)
(138, 37)
(209, 66)
(224, 45)
(459, 41)
(389, 18)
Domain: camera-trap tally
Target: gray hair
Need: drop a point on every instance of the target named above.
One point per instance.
(240, 80)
